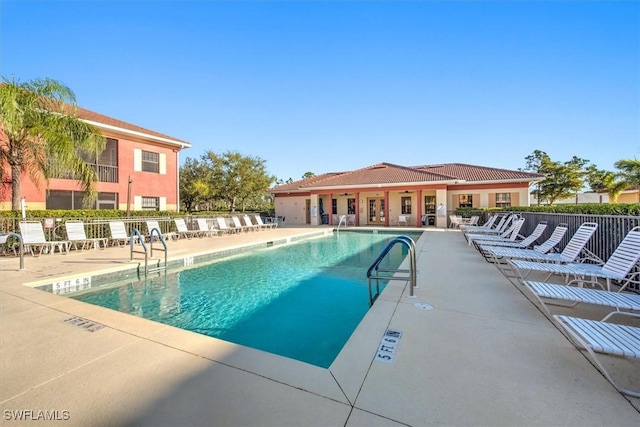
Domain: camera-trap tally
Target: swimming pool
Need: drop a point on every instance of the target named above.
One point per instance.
(301, 300)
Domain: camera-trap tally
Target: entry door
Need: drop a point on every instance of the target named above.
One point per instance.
(376, 211)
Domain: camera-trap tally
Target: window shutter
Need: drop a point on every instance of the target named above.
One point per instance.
(137, 160)
(163, 164)
(163, 203)
(137, 203)
(492, 200)
(515, 199)
(475, 202)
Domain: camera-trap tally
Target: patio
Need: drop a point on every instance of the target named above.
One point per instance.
(484, 355)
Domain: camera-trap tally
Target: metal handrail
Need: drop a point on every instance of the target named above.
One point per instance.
(342, 217)
(374, 268)
(135, 232)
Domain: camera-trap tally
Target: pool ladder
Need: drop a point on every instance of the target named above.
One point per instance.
(374, 271)
(135, 233)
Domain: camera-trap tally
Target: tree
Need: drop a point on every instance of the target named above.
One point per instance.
(562, 180)
(237, 178)
(308, 175)
(40, 135)
(628, 176)
(194, 184)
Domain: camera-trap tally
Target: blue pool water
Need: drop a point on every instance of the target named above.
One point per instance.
(302, 300)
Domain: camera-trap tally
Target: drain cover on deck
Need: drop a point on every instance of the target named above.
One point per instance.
(423, 306)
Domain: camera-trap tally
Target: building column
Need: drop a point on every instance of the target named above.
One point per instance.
(386, 208)
(441, 197)
(419, 210)
(357, 221)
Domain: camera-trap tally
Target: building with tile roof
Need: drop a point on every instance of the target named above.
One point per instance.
(138, 170)
(386, 194)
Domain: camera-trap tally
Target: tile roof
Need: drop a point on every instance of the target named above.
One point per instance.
(85, 114)
(466, 172)
(390, 174)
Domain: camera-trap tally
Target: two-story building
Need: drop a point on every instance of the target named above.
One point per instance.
(138, 170)
(386, 194)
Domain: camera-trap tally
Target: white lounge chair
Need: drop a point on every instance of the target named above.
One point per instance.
(573, 293)
(250, 225)
(509, 235)
(617, 267)
(495, 221)
(403, 219)
(486, 226)
(223, 227)
(205, 228)
(503, 225)
(119, 234)
(262, 224)
(78, 238)
(235, 222)
(183, 230)
(541, 253)
(522, 244)
(604, 338)
(154, 225)
(34, 240)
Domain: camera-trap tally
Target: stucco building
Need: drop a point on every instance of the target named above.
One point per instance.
(383, 193)
(137, 170)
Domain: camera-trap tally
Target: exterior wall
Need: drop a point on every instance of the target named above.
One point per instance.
(485, 196)
(144, 184)
(292, 207)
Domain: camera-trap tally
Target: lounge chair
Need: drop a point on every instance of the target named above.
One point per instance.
(154, 225)
(183, 230)
(235, 223)
(78, 238)
(573, 293)
(541, 253)
(495, 222)
(34, 240)
(223, 227)
(486, 226)
(403, 219)
(503, 225)
(604, 338)
(250, 225)
(119, 234)
(522, 244)
(262, 224)
(617, 267)
(205, 228)
(509, 235)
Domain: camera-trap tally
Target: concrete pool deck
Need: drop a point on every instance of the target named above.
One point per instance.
(484, 355)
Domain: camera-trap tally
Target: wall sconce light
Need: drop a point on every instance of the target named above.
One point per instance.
(346, 194)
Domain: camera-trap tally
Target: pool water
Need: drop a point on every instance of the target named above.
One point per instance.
(301, 300)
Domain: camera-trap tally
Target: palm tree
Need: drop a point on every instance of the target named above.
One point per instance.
(628, 177)
(40, 135)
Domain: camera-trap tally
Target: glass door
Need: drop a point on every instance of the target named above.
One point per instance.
(376, 211)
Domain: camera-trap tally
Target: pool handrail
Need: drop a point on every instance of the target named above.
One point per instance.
(407, 241)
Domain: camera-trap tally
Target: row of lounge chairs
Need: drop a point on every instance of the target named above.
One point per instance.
(586, 279)
(36, 243)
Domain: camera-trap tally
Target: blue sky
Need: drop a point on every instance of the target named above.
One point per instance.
(331, 86)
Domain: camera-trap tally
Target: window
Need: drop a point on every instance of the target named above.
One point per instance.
(150, 162)
(465, 201)
(405, 205)
(71, 200)
(351, 206)
(430, 205)
(334, 206)
(150, 203)
(503, 200)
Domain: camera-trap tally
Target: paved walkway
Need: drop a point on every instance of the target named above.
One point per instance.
(484, 355)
